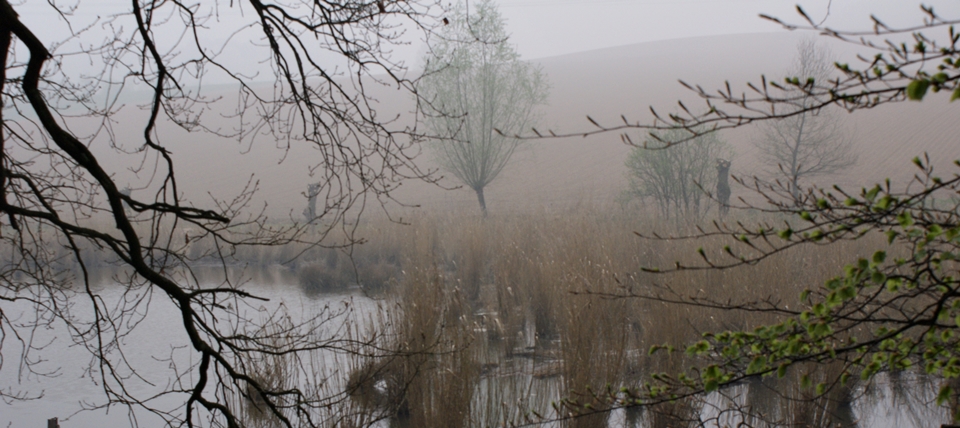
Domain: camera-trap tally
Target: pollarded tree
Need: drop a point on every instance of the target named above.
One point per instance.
(479, 95)
(61, 205)
(808, 143)
(675, 176)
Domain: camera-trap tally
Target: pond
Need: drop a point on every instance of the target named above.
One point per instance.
(499, 382)
(157, 344)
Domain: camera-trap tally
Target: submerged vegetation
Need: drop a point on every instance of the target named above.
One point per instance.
(548, 317)
(532, 318)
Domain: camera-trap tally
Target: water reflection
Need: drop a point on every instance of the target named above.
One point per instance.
(455, 366)
(156, 351)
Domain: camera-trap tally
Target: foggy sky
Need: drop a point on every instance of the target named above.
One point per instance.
(544, 28)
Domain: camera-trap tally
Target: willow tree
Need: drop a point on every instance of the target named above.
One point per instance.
(478, 95)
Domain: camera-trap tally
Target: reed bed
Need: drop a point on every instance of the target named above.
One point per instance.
(520, 318)
(523, 310)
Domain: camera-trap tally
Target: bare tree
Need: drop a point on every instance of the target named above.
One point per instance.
(880, 313)
(723, 185)
(675, 177)
(310, 212)
(811, 142)
(62, 208)
(480, 94)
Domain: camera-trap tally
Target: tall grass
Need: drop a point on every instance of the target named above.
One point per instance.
(486, 321)
(522, 304)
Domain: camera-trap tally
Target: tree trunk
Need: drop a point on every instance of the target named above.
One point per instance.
(483, 202)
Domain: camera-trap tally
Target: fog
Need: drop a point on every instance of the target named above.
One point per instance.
(499, 290)
(543, 28)
(551, 173)
(546, 28)
(602, 58)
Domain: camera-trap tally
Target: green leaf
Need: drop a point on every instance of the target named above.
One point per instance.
(905, 219)
(848, 292)
(850, 271)
(699, 348)
(785, 234)
(833, 300)
(917, 89)
(955, 94)
(844, 378)
(820, 310)
(805, 381)
(891, 235)
(711, 372)
(944, 394)
(757, 365)
(870, 370)
(879, 257)
(952, 233)
(884, 203)
(822, 329)
(711, 385)
(782, 370)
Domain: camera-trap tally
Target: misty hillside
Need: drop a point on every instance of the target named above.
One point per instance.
(629, 79)
(558, 173)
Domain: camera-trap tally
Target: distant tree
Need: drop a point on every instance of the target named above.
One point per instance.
(310, 212)
(810, 142)
(723, 185)
(675, 176)
(479, 94)
(895, 309)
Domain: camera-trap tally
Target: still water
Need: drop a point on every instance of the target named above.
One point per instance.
(157, 348)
